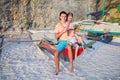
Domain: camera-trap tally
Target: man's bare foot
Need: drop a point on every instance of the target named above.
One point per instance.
(56, 72)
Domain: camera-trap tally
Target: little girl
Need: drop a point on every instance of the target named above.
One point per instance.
(74, 40)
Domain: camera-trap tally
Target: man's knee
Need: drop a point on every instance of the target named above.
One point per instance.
(69, 46)
(56, 54)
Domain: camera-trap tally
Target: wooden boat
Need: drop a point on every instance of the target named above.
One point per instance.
(48, 43)
(101, 32)
(64, 54)
(93, 26)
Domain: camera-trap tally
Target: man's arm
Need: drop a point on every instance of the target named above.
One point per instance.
(59, 34)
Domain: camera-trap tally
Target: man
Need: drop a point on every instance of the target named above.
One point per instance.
(61, 34)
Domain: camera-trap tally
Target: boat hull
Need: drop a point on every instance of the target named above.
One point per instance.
(65, 53)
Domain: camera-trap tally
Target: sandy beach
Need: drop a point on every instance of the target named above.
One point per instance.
(25, 61)
(27, 27)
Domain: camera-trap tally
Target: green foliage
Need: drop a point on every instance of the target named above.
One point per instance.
(28, 23)
(119, 7)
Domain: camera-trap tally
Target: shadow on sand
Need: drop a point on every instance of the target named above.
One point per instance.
(115, 43)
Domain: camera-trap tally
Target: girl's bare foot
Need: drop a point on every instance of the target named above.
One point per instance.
(71, 69)
(75, 57)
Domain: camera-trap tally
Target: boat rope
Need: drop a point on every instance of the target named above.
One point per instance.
(24, 40)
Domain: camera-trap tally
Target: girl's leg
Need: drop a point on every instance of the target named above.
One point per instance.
(76, 50)
(80, 40)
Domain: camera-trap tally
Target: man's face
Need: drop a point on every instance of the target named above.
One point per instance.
(63, 17)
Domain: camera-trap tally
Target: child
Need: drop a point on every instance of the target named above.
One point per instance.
(74, 40)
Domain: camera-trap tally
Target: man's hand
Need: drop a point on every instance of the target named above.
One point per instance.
(65, 29)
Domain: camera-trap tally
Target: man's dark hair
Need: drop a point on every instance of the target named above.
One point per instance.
(62, 12)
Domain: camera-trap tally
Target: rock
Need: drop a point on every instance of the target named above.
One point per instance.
(111, 8)
(43, 13)
(113, 13)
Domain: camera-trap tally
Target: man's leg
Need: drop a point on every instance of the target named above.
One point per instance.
(56, 59)
(70, 57)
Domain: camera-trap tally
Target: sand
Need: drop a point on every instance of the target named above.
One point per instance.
(25, 61)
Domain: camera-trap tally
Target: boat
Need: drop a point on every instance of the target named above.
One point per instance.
(101, 32)
(49, 43)
(97, 29)
(93, 26)
(51, 48)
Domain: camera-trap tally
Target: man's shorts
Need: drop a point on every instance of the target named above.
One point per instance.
(62, 44)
